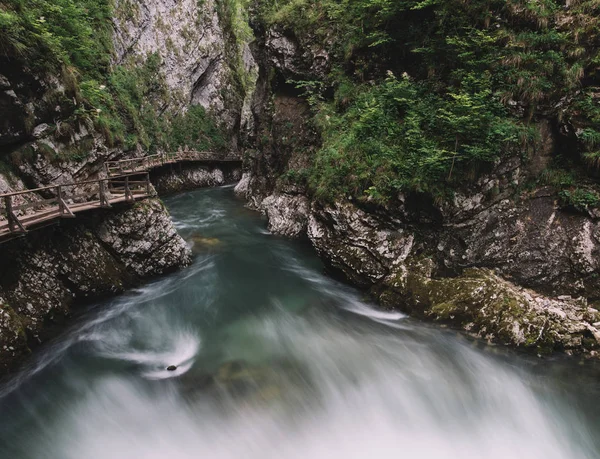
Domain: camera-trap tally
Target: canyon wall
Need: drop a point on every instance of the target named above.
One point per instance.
(47, 137)
(503, 260)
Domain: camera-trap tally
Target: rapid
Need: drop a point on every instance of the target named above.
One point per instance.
(276, 360)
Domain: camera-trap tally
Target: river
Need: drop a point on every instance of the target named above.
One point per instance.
(276, 360)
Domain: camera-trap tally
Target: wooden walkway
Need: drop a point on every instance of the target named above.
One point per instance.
(145, 163)
(126, 181)
(25, 210)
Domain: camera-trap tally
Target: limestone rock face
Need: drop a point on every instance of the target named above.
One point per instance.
(145, 239)
(46, 274)
(193, 46)
(194, 176)
(356, 244)
(533, 242)
(296, 56)
(288, 215)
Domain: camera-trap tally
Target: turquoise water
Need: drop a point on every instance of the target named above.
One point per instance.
(276, 360)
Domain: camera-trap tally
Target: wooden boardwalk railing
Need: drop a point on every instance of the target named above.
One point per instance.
(145, 163)
(33, 208)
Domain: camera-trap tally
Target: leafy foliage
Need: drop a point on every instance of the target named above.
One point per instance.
(73, 38)
(52, 33)
(473, 65)
(399, 136)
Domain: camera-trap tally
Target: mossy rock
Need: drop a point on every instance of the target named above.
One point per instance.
(489, 307)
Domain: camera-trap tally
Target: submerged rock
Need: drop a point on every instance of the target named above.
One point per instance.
(202, 241)
(244, 382)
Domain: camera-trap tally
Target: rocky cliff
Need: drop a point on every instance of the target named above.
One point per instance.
(44, 276)
(504, 259)
(202, 57)
(52, 131)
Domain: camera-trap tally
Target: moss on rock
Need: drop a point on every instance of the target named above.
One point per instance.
(489, 307)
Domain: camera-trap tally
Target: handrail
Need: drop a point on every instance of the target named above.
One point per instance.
(60, 206)
(50, 187)
(144, 163)
(15, 217)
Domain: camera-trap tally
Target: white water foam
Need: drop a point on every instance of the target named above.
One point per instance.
(366, 396)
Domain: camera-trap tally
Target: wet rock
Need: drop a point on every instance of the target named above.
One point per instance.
(193, 176)
(171, 368)
(356, 244)
(242, 187)
(44, 276)
(494, 309)
(287, 214)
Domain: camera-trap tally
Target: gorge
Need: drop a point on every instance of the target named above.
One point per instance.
(440, 157)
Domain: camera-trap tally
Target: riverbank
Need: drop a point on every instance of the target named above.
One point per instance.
(47, 274)
(274, 358)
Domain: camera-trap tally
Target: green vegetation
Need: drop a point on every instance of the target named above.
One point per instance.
(398, 135)
(53, 33)
(73, 40)
(480, 72)
(581, 199)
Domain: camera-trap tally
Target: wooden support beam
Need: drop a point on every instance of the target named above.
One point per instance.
(63, 208)
(13, 221)
(148, 185)
(104, 201)
(128, 194)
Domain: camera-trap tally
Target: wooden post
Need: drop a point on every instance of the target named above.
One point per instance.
(63, 208)
(148, 185)
(128, 194)
(104, 201)
(13, 221)
(61, 203)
